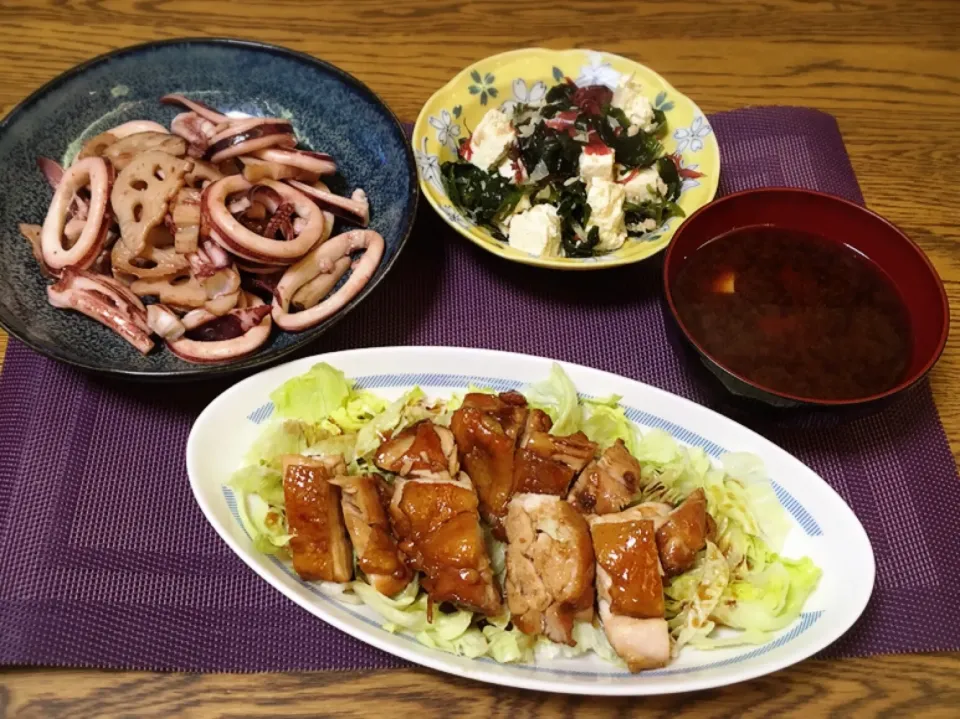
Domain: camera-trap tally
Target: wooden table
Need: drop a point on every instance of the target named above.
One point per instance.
(888, 69)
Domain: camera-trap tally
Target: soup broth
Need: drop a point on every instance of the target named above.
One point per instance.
(795, 313)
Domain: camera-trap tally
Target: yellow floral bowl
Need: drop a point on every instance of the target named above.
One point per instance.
(524, 76)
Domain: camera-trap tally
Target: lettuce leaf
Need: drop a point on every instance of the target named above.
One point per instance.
(361, 407)
(471, 643)
(400, 413)
(757, 495)
(284, 436)
(264, 481)
(266, 525)
(259, 495)
(406, 610)
(605, 421)
(454, 632)
(588, 637)
(508, 645)
(658, 448)
(312, 396)
(747, 636)
(769, 600)
(324, 397)
(557, 396)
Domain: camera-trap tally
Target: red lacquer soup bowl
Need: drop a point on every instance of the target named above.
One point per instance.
(785, 213)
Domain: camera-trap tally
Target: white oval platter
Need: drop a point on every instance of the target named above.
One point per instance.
(824, 526)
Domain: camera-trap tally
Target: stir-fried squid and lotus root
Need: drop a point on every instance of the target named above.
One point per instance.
(519, 526)
(220, 222)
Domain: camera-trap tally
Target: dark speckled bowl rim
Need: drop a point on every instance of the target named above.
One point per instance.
(254, 361)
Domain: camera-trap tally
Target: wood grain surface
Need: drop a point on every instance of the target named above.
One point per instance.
(889, 70)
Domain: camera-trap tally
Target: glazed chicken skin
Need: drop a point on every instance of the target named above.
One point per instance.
(683, 533)
(486, 429)
(545, 463)
(607, 484)
(550, 566)
(319, 545)
(424, 448)
(364, 511)
(630, 587)
(438, 530)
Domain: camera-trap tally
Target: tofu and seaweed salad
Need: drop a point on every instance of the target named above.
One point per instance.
(520, 526)
(574, 175)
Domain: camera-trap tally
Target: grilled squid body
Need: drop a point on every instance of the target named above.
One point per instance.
(105, 300)
(96, 175)
(196, 208)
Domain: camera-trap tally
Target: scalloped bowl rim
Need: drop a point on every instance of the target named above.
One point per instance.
(552, 263)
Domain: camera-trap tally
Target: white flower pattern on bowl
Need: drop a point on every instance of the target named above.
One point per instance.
(447, 130)
(428, 165)
(524, 95)
(455, 217)
(597, 72)
(692, 137)
(685, 170)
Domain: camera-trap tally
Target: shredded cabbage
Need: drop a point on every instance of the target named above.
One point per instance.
(343, 444)
(693, 595)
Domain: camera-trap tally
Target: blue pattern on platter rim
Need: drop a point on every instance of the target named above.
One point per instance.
(690, 140)
(800, 514)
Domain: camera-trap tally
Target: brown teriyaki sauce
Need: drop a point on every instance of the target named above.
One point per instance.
(795, 313)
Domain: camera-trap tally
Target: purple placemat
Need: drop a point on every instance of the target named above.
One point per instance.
(108, 562)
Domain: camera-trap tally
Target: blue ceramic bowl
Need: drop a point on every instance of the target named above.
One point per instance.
(332, 112)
